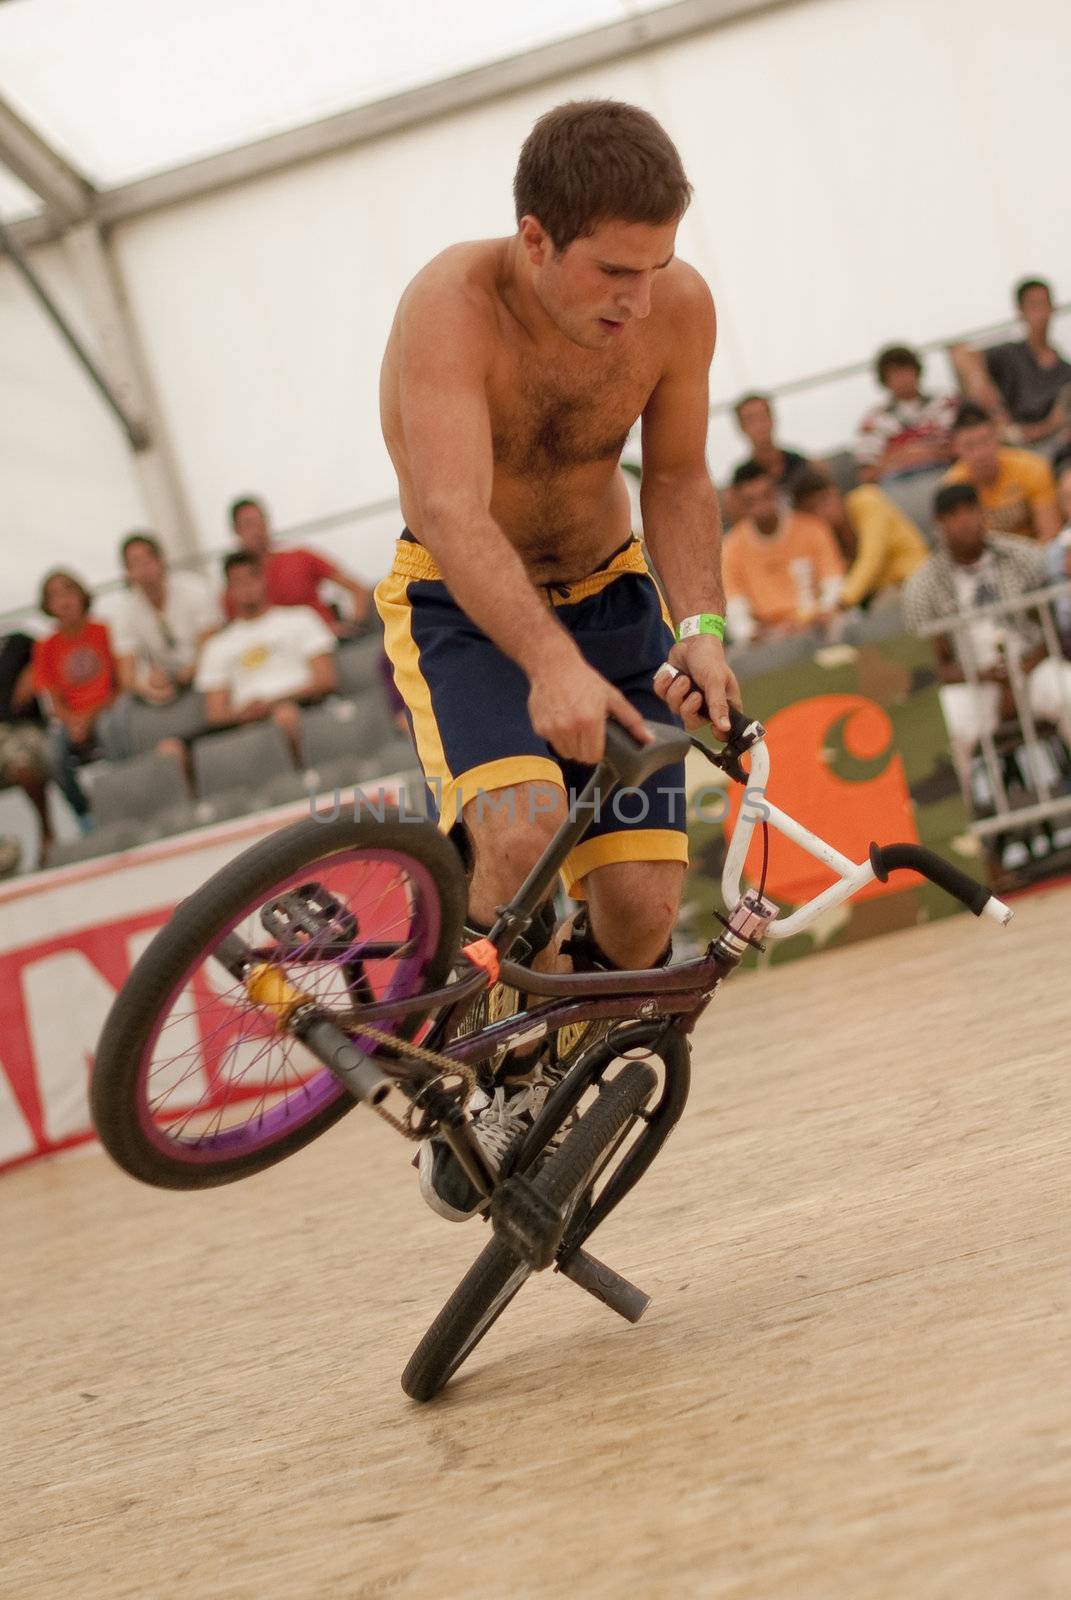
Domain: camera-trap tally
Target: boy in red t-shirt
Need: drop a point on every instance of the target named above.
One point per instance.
(74, 670)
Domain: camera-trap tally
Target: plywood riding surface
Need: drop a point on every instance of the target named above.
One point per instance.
(853, 1380)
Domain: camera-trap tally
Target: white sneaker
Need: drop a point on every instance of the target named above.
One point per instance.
(499, 1120)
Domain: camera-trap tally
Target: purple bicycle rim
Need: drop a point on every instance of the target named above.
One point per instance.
(321, 1090)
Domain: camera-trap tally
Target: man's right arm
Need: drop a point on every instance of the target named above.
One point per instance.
(444, 354)
(446, 340)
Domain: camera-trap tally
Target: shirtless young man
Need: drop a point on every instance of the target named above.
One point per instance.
(519, 613)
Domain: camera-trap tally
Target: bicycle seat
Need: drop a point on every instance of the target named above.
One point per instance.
(633, 763)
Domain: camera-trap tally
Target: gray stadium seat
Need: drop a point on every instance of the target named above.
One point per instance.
(289, 786)
(396, 755)
(240, 758)
(357, 663)
(101, 842)
(132, 727)
(139, 789)
(190, 814)
(337, 728)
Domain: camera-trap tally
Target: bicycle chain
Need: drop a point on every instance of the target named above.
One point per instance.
(434, 1058)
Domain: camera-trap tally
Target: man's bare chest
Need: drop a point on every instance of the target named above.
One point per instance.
(546, 419)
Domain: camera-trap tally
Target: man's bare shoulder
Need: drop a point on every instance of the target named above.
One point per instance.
(687, 315)
(460, 282)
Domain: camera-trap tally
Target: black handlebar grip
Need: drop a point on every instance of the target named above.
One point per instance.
(916, 858)
(739, 723)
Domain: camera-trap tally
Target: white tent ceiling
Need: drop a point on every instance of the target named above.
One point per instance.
(127, 88)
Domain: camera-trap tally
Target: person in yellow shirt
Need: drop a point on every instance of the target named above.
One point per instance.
(782, 570)
(879, 541)
(1016, 487)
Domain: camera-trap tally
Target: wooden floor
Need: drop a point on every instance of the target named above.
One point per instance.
(853, 1380)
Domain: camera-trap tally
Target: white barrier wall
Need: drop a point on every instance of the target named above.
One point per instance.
(865, 170)
(68, 940)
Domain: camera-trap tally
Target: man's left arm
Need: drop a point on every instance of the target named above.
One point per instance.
(681, 520)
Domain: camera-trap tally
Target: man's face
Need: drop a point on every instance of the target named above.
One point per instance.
(756, 423)
(251, 530)
(143, 566)
(246, 591)
(64, 602)
(598, 287)
(977, 448)
(902, 381)
(757, 499)
(1036, 311)
(964, 533)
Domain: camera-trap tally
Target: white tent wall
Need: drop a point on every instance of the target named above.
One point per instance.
(865, 170)
(67, 476)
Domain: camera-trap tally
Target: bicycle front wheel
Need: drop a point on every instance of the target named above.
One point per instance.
(498, 1274)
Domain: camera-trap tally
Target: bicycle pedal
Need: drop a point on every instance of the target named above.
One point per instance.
(605, 1284)
(526, 1222)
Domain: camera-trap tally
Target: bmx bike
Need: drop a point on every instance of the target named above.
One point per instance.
(326, 965)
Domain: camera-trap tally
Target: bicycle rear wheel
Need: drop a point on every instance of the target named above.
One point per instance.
(498, 1274)
(195, 1085)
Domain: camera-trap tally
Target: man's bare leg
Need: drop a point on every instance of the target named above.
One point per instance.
(633, 907)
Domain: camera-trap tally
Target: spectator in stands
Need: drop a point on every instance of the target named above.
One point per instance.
(975, 568)
(754, 415)
(23, 748)
(910, 432)
(269, 661)
(880, 543)
(783, 572)
(293, 577)
(1016, 487)
(74, 669)
(160, 624)
(1022, 383)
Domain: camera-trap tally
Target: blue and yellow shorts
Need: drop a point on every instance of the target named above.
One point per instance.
(468, 703)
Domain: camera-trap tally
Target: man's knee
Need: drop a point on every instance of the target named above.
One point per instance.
(509, 829)
(634, 908)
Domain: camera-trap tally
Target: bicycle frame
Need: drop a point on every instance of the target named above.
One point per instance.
(653, 1001)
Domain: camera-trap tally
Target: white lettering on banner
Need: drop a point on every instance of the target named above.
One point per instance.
(16, 1136)
(67, 1000)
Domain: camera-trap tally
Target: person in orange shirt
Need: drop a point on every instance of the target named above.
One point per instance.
(783, 572)
(74, 670)
(1016, 487)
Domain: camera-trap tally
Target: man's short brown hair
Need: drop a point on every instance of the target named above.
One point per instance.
(592, 161)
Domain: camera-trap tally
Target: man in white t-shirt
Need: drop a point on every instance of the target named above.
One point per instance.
(973, 569)
(160, 623)
(267, 662)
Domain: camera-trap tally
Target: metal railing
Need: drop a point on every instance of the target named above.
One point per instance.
(1049, 803)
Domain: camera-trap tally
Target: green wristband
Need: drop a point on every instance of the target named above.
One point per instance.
(708, 622)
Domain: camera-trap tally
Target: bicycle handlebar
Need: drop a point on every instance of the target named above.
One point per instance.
(916, 858)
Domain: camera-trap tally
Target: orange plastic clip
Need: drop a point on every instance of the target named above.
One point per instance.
(482, 954)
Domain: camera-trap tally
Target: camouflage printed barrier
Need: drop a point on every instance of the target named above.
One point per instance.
(858, 752)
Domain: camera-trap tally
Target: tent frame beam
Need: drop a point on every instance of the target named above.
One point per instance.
(363, 124)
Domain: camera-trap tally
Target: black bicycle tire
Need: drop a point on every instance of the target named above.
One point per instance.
(195, 922)
(449, 1340)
